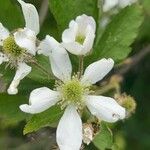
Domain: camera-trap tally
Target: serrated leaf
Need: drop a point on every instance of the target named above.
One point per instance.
(9, 107)
(64, 11)
(43, 119)
(104, 138)
(119, 34)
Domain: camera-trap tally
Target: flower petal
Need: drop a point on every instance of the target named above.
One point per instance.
(109, 4)
(74, 48)
(97, 71)
(4, 33)
(40, 100)
(69, 34)
(31, 16)
(124, 3)
(3, 58)
(83, 21)
(22, 71)
(69, 130)
(25, 38)
(89, 40)
(105, 108)
(47, 45)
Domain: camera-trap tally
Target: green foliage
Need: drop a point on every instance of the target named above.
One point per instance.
(104, 138)
(9, 107)
(43, 119)
(119, 34)
(10, 15)
(66, 10)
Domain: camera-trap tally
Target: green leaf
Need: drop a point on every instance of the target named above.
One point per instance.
(66, 10)
(9, 107)
(10, 15)
(41, 72)
(119, 34)
(43, 119)
(104, 138)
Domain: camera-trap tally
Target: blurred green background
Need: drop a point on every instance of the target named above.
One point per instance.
(133, 134)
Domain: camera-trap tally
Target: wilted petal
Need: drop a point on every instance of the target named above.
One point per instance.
(4, 33)
(22, 71)
(69, 130)
(31, 16)
(3, 58)
(105, 108)
(47, 45)
(40, 100)
(26, 38)
(97, 71)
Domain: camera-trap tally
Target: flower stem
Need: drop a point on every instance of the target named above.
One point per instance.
(81, 60)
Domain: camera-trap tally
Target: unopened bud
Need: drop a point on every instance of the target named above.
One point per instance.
(127, 102)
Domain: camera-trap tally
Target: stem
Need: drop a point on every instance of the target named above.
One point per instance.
(81, 60)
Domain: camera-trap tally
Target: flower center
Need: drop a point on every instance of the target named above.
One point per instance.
(11, 48)
(72, 92)
(80, 39)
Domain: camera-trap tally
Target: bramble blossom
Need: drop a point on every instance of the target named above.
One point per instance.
(73, 94)
(17, 48)
(78, 39)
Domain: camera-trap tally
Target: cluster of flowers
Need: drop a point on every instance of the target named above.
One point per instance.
(72, 92)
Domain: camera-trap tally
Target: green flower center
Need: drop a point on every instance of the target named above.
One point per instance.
(80, 39)
(11, 48)
(72, 91)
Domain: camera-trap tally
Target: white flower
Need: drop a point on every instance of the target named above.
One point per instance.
(78, 39)
(18, 47)
(73, 94)
(110, 4)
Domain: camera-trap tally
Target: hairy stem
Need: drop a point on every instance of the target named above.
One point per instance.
(81, 63)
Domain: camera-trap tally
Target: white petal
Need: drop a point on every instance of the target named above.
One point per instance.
(97, 71)
(47, 45)
(4, 33)
(60, 64)
(40, 100)
(83, 21)
(22, 71)
(69, 34)
(74, 48)
(69, 130)
(89, 40)
(26, 38)
(109, 4)
(3, 58)
(124, 3)
(31, 16)
(105, 108)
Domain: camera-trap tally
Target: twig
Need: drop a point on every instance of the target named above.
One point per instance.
(133, 61)
(43, 11)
